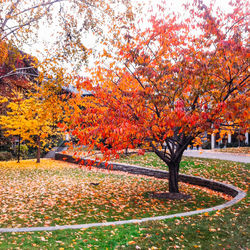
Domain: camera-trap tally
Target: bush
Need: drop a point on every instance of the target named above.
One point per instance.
(24, 150)
(206, 145)
(5, 156)
(243, 144)
(235, 144)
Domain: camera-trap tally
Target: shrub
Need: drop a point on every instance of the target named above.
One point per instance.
(24, 150)
(206, 145)
(235, 144)
(243, 144)
(5, 156)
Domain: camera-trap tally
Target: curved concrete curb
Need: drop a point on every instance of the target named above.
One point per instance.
(214, 185)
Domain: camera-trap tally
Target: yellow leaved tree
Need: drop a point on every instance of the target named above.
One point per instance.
(32, 119)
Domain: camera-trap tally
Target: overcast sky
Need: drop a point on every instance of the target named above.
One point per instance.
(46, 33)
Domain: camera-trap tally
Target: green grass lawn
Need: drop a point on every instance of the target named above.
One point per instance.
(224, 229)
(58, 193)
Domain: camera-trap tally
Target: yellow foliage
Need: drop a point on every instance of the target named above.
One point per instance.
(30, 118)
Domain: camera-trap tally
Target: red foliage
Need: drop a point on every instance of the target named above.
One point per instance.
(169, 84)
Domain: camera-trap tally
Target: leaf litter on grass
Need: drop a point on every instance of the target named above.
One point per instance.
(188, 232)
(58, 193)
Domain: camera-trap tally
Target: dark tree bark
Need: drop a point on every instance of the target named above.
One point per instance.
(38, 155)
(19, 148)
(173, 177)
(176, 147)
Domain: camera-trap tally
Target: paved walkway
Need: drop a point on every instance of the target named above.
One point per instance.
(218, 155)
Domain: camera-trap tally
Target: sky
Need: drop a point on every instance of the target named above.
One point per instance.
(46, 33)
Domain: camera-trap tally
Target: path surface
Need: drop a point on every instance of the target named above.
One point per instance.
(218, 155)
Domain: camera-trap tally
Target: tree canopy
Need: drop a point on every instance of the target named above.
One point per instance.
(162, 87)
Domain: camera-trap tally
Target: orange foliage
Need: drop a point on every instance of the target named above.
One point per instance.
(167, 85)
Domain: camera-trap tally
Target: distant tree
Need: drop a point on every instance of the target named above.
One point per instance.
(33, 120)
(67, 22)
(18, 71)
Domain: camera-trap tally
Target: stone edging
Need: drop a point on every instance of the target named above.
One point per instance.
(161, 174)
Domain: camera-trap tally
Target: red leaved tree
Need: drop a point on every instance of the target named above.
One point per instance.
(165, 86)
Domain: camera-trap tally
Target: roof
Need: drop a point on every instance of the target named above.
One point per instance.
(72, 89)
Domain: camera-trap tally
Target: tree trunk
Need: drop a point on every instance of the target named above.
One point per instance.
(38, 155)
(176, 147)
(19, 148)
(173, 177)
